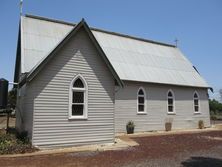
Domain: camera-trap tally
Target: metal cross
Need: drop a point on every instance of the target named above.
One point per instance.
(176, 42)
(21, 2)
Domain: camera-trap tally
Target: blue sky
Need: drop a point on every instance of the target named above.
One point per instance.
(197, 24)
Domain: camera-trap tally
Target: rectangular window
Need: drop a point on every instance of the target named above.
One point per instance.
(170, 108)
(77, 103)
(78, 97)
(196, 108)
(77, 109)
(141, 108)
(170, 101)
(141, 99)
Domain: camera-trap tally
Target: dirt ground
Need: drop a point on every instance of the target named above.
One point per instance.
(186, 150)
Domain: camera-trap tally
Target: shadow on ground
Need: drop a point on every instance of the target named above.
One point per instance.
(202, 162)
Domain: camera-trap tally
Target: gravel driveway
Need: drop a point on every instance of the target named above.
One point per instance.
(186, 150)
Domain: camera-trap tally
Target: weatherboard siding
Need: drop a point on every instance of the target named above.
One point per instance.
(51, 125)
(156, 107)
(24, 114)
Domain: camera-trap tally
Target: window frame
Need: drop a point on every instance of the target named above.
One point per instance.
(198, 98)
(137, 99)
(174, 110)
(85, 94)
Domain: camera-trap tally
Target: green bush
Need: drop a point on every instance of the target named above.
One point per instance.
(23, 136)
(130, 124)
(10, 144)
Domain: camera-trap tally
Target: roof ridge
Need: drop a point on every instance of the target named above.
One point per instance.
(100, 30)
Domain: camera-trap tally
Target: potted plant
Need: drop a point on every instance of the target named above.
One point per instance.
(130, 127)
(201, 124)
(168, 124)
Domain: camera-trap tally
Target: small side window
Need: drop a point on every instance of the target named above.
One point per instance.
(170, 102)
(196, 102)
(141, 106)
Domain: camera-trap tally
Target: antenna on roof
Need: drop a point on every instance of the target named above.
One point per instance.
(176, 42)
(21, 3)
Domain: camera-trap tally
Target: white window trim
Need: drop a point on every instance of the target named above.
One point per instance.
(174, 110)
(137, 103)
(199, 111)
(85, 90)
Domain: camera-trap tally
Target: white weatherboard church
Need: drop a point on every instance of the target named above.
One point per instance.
(81, 85)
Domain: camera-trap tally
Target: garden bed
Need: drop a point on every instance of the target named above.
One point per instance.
(14, 143)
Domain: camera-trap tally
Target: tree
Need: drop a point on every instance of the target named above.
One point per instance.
(12, 94)
(215, 106)
(220, 92)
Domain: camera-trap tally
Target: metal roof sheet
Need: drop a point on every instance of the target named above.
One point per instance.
(38, 38)
(132, 59)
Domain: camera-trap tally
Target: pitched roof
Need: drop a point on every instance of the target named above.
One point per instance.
(82, 24)
(132, 58)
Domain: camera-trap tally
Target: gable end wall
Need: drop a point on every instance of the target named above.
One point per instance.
(51, 126)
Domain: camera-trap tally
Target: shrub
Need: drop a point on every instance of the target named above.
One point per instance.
(213, 117)
(23, 136)
(201, 124)
(130, 127)
(10, 144)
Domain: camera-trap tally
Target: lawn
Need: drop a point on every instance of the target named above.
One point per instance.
(187, 150)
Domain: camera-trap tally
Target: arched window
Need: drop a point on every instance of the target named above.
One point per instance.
(141, 97)
(196, 102)
(170, 102)
(78, 98)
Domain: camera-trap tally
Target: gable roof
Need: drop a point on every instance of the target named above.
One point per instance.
(132, 59)
(82, 24)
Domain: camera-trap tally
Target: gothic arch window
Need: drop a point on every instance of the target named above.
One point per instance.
(196, 102)
(141, 101)
(78, 106)
(170, 102)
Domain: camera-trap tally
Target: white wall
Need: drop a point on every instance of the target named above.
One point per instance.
(51, 126)
(156, 102)
(24, 110)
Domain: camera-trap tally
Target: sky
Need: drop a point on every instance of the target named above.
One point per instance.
(196, 24)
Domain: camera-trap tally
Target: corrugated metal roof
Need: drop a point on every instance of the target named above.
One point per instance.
(132, 59)
(38, 38)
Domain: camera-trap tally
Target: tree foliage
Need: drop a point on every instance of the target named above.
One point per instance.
(220, 92)
(215, 106)
(12, 94)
